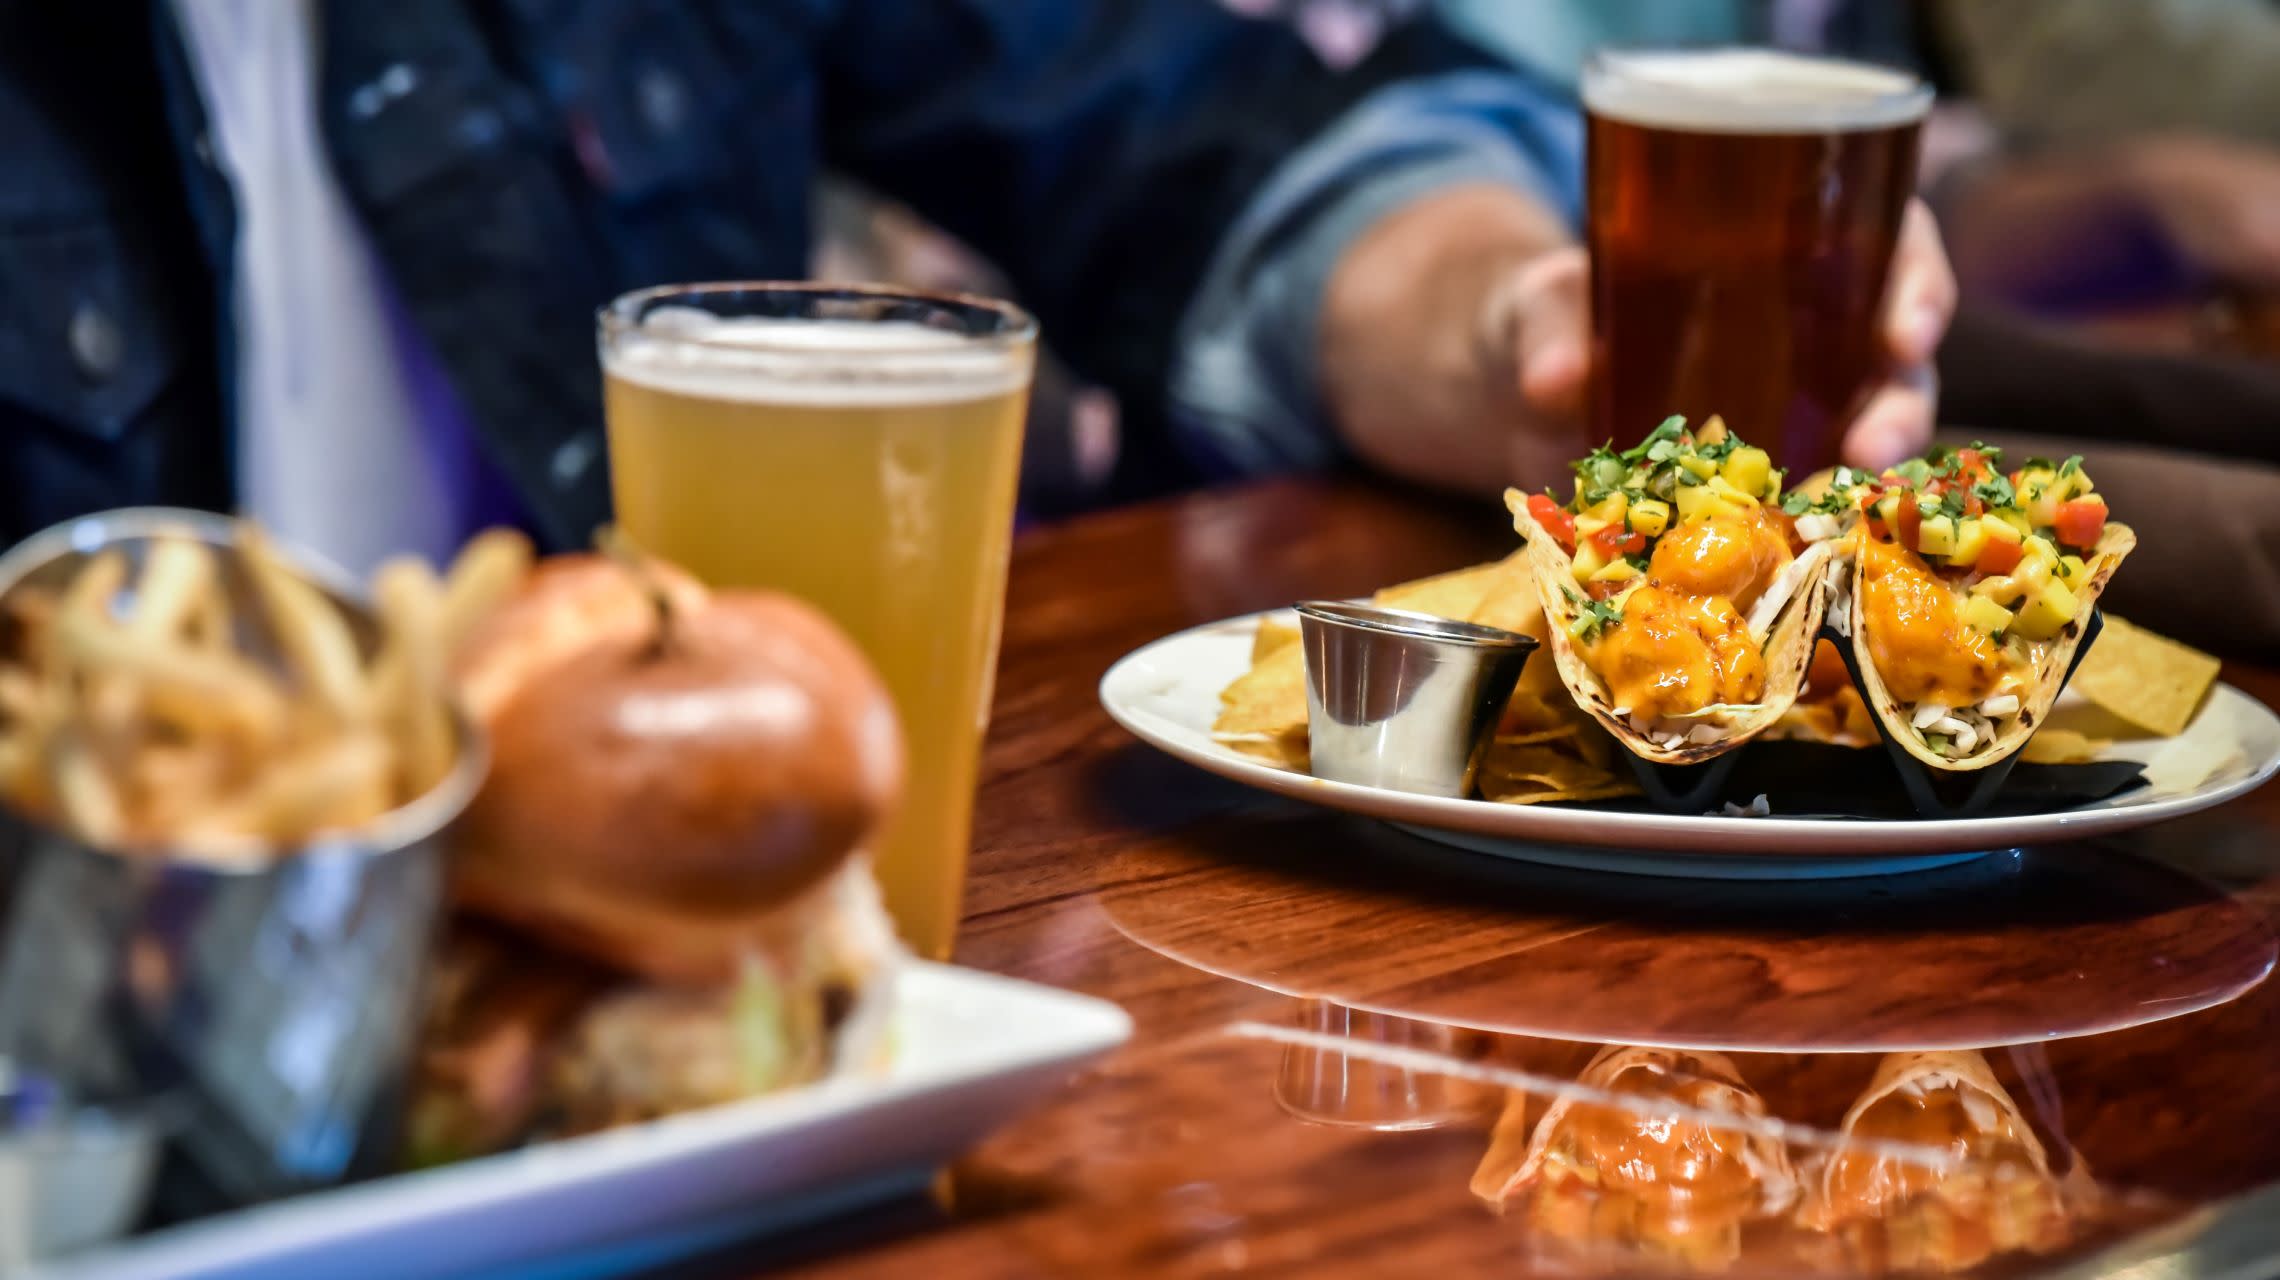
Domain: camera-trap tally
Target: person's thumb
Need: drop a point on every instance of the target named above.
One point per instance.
(1547, 324)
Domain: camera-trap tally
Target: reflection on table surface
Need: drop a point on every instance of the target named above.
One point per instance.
(1359, 1053)
(1663, 1160)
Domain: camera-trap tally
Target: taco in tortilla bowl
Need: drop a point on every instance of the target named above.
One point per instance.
(1970, 591)
(1682, 600)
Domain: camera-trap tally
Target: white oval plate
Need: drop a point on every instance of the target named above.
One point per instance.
(1167, 693)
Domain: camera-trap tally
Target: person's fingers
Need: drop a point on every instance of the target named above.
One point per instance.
(1897, 423)
(1547, 324)
(1921, 300)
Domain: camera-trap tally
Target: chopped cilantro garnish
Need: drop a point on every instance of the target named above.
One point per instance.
(1915, 471)
(1602, 470)
(1796, 502)
(1594, 617)
(1996, 491)
(2071, 466)
(1669, 430)
(1951, 503)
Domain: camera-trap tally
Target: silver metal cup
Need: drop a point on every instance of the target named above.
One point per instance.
(278, 1001)
(1404, 700)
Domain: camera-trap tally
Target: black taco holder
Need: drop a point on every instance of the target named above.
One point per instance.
(1936, 794)
(1683, 788)
(1697, 788)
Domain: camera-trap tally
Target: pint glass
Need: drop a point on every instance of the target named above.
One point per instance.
(1741, 212)
(859, 448)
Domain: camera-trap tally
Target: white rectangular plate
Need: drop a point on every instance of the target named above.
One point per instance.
(972, 1051)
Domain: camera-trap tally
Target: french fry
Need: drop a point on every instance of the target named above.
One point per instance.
(87, 802)
(23, 699)
(311, 632)
(88, 599)
(493, 563)
(28, 625)
(408, 682)
(200, 691)
(177, 577)
(344, 783)
(170, 783)
(210, 625)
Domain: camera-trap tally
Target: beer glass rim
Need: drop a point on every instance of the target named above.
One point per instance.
(1906, 103)
(1015, 328)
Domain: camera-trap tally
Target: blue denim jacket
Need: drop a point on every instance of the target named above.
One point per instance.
(517, 162)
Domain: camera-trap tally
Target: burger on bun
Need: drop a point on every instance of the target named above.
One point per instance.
(667, 857)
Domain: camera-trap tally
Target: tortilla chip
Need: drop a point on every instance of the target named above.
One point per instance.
(1544, 772)
(2148, 680)
(1272, 636)
(1455, 596)
(2062, 746)
(1269, 699)
(1536, 736)
(1283, 751)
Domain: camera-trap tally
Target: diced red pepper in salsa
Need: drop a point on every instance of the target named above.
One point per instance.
(1998, 557)
(1615, 540)
(1910, 521)
(2081, 521)
(1555, 519)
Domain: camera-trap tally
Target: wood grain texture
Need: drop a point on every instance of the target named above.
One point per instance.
(2117, 989)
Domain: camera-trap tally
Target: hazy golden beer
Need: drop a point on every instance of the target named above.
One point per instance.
(1742, 210)
(860, 449)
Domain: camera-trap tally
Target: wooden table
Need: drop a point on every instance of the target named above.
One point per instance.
(2117, 990)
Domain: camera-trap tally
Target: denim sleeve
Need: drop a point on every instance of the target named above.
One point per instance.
(1244, 397)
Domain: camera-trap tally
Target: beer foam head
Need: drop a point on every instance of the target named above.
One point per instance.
(1749, 91)
(820, 363)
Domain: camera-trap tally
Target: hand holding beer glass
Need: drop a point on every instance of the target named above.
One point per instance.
(858, 448)
(1743, 207)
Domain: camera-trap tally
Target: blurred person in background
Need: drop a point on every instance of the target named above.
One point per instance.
(2137, 154)
(336, 264)
(2059, 199)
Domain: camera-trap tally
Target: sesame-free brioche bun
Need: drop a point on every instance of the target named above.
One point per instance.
(670, 765)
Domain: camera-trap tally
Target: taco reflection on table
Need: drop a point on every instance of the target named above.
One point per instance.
(1998, 1196)
(1634, 1180)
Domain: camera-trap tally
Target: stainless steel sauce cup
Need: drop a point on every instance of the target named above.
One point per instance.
(1404, 700)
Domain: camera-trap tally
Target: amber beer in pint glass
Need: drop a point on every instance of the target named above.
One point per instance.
(1741, 211)
(859, 448)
